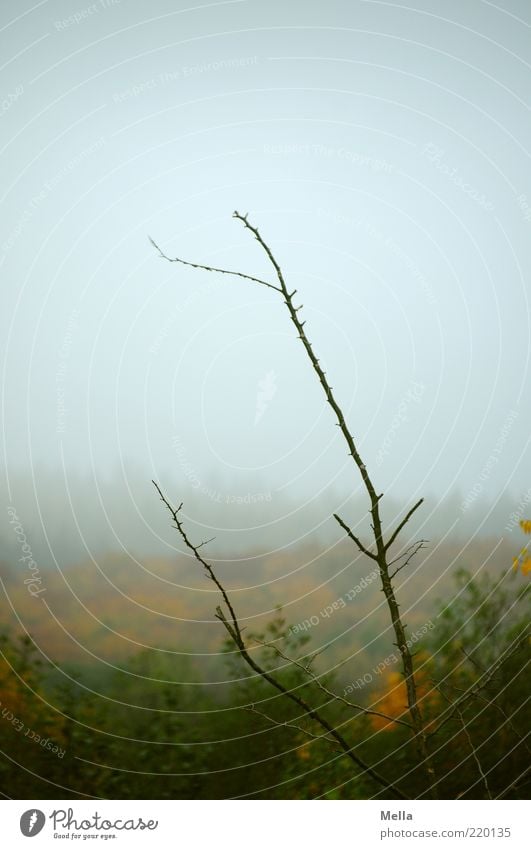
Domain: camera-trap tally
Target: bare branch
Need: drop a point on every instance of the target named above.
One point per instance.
(354, 538)
(285, 724)
(402, 523)
(419, 543)
(211, 268)
(195, 549)
(306, 669)
(235, 631)
(408, 554)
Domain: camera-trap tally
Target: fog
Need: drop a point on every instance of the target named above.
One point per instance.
(68, 521)
(383, 152)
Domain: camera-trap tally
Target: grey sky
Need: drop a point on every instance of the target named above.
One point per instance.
(382, 149)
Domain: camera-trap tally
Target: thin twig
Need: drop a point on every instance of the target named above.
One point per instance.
(419, 542)
(493, 702)
(475, 756)
(212, 268)
(472, 747)
(287, 724)
(404, 521)
(195, 550)
(288, 300)
(416, 546)
(477, 686)
(355, 539)
(305, 668)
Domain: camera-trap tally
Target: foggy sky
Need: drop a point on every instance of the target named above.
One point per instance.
(382, 150)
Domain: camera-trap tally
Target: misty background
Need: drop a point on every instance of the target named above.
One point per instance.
(383, 152)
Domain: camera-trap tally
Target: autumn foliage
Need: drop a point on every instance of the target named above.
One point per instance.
(391, 698)
(523, 561)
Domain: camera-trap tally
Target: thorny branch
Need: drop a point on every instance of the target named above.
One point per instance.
(380, 555)
(235, 631)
